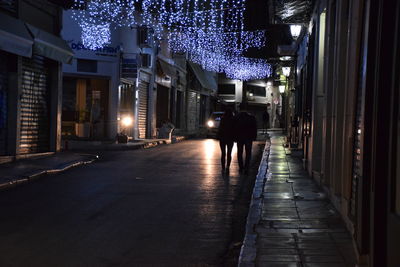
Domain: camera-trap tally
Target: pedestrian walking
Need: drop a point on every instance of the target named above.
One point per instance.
(245, 133)
(225, 136)
(265, 121)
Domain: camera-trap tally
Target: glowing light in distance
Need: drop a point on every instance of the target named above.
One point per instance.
(127, 121)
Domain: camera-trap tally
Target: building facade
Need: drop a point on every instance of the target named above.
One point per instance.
(260, 96)
(106, 86)
(347, 93)
(31, 53)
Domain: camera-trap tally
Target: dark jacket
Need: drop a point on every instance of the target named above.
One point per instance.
(245, 127)
(226, 129)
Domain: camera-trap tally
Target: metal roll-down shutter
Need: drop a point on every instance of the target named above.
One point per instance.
(143, 109)
(34, 133)
(357, 152)
(192, 111)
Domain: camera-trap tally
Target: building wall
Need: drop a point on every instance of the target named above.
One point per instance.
(349, 153)
(44, 16)
(107, 61)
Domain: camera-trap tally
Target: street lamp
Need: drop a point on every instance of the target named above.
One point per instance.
(286, 71)
(295, 31)
(282, 89)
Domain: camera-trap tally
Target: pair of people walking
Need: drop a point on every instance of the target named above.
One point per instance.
(241, 129)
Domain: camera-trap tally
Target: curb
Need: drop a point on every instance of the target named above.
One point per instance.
(124, 147)
(248, 251)
(34, 175)
(66, 166)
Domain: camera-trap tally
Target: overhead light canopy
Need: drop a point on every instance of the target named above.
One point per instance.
(295, 30)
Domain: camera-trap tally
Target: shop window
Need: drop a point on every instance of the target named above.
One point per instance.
(256, 90)
(226, 89)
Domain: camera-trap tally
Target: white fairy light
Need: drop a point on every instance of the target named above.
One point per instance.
(211, 32)
(95, 36)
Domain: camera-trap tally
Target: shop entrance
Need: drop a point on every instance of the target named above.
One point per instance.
(162, 104)
(85, 106)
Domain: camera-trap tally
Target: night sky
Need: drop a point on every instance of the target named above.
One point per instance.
(256, 18)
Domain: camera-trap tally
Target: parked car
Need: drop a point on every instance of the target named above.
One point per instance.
(213, 123)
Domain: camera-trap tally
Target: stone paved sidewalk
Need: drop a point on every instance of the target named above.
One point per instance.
(297, 226)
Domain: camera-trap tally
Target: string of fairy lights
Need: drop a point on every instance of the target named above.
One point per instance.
(211, 32)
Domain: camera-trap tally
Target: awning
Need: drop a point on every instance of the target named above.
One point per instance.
(14, 37)
(182, 77)
(167, 68)
(50, 46)
(205, 78)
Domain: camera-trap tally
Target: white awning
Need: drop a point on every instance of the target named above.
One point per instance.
(14, 37)
(50, 46)
(205, 78)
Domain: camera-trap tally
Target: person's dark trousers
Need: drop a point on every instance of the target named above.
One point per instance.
(226, 153)
(247, 145)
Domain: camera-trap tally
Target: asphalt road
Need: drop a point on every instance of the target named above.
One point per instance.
(165, 206)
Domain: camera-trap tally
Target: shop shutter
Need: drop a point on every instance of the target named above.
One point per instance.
(357, 160)
(3, 103)
(203, 110)
(142, 109)
(34, 133)
(193, 114)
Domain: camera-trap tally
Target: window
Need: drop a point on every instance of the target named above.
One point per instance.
(226, 89)
(129, 68)
(144, 37)
(256, 90)
(145, 60)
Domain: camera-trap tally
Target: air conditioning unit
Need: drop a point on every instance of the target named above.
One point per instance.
(145, 60)
(145, 38)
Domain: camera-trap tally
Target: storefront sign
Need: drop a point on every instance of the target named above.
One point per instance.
(104, 51)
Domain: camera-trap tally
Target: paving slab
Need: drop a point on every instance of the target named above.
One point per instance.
(298, 226)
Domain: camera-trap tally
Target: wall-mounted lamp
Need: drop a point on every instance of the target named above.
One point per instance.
(281, 89)
(286, 71)
(295, 31)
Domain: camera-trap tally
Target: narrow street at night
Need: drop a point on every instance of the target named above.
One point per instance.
(164, 206)
(123, 122)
